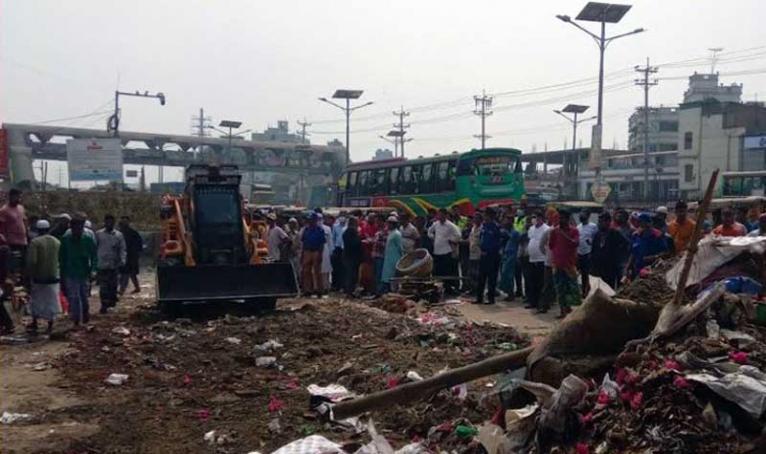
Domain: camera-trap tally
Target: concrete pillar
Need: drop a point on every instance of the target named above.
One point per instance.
(20, 157)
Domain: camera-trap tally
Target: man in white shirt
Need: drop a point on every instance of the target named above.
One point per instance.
(536, 260)
(587, 231)
(276, 238)
(446, 237)
(410, 234)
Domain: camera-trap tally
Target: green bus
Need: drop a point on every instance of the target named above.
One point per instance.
(471, 180)
(742, 184)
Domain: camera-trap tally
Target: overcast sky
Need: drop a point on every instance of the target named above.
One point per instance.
(259, 62)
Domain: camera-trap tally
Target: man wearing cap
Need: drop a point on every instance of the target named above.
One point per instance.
(276, 237)
(42, 267)
(112, 254)
(60, 225)
(312, 241)
(662, 214)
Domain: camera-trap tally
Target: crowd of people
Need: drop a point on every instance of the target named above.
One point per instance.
(535, 256)
(57, 260)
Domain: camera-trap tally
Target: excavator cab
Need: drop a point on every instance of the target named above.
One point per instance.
(209, 251)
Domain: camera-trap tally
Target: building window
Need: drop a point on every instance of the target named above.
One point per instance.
(668, 126)
(687, 141)
(689, 173)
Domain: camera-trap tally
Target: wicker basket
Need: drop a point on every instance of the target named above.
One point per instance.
(417, 263)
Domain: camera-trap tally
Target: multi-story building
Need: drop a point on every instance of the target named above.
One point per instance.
(711, 136)
(279, 134)
(685, 144)
(705, 86)
(663, 129)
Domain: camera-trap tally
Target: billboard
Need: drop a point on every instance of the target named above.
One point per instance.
(94, 159)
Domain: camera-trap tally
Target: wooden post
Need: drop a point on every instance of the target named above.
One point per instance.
(692, 250)
(420, 389)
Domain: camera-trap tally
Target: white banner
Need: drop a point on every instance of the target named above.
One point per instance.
(94, 159)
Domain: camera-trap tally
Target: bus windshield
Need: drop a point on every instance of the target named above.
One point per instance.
(488, 166)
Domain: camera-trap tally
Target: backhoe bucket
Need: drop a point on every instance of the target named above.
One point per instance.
(188, 284)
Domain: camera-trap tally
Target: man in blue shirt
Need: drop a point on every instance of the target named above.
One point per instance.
(490, 240)
(313, 240)
(509, 257)
(336, 259)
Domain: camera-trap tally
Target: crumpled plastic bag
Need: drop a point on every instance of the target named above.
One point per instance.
(746, 388)
(569, 394)
(311, 445)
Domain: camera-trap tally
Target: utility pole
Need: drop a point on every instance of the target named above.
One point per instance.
(714, 57)
(483, 106)
(646, 83)
(303, 124)
(401, 126)
(201, 128)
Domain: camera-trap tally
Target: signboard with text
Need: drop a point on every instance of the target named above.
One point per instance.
(94, 159)
(754, 142)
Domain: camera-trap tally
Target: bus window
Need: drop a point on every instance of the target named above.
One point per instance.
(451, 175)
(519, 167)
(393, 180)
(363, 186)
(407, 186)
(426, 182)
(417, 176)
(378, 182)
(351, 184)
(442, 177)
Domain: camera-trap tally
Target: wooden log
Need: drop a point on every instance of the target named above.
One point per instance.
(420, 389)
(696, 235)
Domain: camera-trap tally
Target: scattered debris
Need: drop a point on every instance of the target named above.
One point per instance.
(10, 418)
(116, 379)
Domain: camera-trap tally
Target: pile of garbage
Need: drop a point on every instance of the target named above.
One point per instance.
(647, 374)
(244, 383)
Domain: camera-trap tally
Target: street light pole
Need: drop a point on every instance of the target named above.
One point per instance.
(113, 123)
(601, 13)
(575, 110)
(348, 95)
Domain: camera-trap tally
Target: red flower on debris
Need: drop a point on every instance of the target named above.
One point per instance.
(586, 418)
(203, 414)
(672, 365)
(582, 448)
(738, 357)
(603, 398)
(187, 380)
(392, 382)
(681, 383)
(275, 404)
(637, 400)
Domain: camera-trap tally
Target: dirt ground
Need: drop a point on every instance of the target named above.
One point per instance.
(190, 376)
